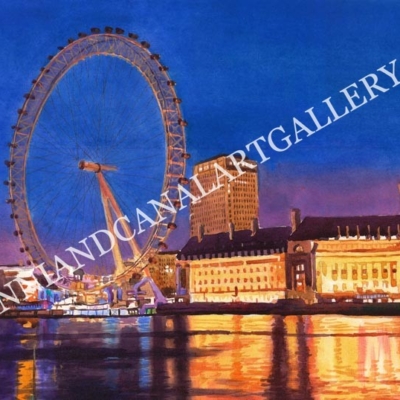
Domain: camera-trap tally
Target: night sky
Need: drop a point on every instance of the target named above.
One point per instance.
(244, 67)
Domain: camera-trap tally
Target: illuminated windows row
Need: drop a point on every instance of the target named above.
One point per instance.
(245, 270)
(363, 271)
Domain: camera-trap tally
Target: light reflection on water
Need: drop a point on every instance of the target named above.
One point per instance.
(201, 357)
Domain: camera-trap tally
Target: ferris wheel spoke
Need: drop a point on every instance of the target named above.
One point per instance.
(55, 194)
(135, 124)
(67, 105)
(142, 143)
(68, 216)
(89, 105)
(51, 140)
(55, 139)
(127, 121)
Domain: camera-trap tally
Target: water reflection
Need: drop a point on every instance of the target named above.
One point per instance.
(202, 357)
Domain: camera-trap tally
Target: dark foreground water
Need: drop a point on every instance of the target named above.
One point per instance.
(201, 357)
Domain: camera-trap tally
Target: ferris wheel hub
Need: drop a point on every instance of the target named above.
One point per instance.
(95, 167)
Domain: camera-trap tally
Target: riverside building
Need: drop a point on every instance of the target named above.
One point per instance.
(344, 258)
(245, 265)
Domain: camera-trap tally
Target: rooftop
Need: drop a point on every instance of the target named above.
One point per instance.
(267, 240)
(314, 228)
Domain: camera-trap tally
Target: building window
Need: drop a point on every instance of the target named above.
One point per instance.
(393, 274)
(335, 272)
(364, 274)
(384, 271)
(298, 249)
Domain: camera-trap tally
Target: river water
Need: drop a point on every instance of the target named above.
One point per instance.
(201, 357)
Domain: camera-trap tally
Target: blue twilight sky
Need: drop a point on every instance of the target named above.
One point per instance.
(244, 67)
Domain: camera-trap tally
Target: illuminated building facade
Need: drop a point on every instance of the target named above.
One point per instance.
(345, 258)
(244, 265)
(236, 201)
(163, 270)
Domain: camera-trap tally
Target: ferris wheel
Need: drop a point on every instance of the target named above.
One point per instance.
(99, 134)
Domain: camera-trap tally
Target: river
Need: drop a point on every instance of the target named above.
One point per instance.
(201, 357)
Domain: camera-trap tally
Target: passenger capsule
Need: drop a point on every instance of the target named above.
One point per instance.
(108, 29)
(182, 122)
(119, 31)
(60, 47)
(155, 57)
(9, 163)
(10, 201)
(82, 34)
(17, 233)
(22, 112)
(13, 145)
(95, 30)
(14, 216)
(183, 181)
(186, 156)
(71, 40)
(177, 204)
(145, 44)
(50, 57)
(133, 35)
(9, 183)
(34, 81)
(172, 226)
(171, 83)
(162, 245)
(177, 101)
(163, 68)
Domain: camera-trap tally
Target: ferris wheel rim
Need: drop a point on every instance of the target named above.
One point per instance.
(138, 55)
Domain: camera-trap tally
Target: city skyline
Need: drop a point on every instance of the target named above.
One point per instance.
(258, 80)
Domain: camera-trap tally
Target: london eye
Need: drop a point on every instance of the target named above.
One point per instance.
(99, 134)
